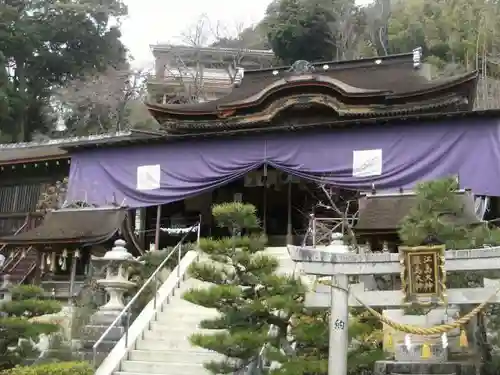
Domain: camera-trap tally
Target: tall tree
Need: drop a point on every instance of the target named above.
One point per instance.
(246, 291)
(301, 30)
(251, 298)
(46, 43)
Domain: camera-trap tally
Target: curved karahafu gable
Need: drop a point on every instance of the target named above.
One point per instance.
(337, 91)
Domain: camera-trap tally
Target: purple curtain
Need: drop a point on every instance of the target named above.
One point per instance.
(410, 153)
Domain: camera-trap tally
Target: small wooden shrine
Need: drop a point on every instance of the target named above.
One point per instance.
(59, 249)
(381, 214)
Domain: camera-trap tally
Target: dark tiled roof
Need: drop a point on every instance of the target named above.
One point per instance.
(84, 226)
(392, 76)
(13, 153)
(386, 212)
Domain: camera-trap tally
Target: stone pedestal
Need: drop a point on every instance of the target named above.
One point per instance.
(433, 318)
(423, 368)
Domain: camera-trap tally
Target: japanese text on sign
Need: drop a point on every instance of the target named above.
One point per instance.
(423, 270)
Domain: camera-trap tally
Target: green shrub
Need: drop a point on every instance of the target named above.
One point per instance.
(61, 368)
(20, 292)
(19, 330)
(30, 308)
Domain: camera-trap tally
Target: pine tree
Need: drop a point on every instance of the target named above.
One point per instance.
(251, 298)
(18, 329)
(246, 291)
(437, 215)
(310, 332)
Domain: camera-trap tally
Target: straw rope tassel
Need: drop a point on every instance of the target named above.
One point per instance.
(439, 329)
(426, 351)
(464, 343)
(389, 343)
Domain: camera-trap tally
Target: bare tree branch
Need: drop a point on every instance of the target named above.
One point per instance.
(101, 103)
(191, 75)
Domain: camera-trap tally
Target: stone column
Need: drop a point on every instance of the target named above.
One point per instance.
(5, 295)
(339, 315)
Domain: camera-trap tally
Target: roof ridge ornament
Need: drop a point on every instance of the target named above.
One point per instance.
(301, 67)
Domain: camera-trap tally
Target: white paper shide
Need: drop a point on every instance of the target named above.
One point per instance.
(148, 177)
(366, 163)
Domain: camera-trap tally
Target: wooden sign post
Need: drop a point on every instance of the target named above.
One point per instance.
(423, 276)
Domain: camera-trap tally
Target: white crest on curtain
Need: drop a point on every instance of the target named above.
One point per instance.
(148, 177)
(481, 206)
(366, 163)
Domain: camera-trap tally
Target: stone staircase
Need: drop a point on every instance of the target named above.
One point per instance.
(164, 348)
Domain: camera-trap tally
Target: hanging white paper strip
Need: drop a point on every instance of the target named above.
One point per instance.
(175, 231)
(366, 163)
(148, 177)
(444, 340)
(408, 343)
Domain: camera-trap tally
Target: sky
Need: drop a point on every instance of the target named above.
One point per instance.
(163, 21)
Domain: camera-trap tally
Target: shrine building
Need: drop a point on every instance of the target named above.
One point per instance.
(279, 139)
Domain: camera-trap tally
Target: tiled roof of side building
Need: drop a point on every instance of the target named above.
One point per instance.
(385, 212)
(26, 152)
(84, 226)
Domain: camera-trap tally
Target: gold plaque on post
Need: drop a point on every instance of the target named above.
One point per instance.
(423, 276)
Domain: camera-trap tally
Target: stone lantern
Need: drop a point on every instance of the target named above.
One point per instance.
(5, 295)
(117, 263)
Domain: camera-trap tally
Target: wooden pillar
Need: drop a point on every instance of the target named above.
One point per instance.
(74, 260)
(157, 229)
(264, 201)
(289, 235)
(37, 278)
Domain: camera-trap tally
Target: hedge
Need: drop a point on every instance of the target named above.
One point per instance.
(61, 368)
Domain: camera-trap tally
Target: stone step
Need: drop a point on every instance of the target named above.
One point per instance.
(180, 324)
(194, 356)
(195, 314)
(104, 346)
(175, 329)
(163, 368)
(181, 343)
(181, 303)
(173, 334)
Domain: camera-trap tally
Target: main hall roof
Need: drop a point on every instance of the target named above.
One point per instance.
(374, 87)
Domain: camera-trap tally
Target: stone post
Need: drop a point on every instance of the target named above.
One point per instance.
(339, 315)
(5, 295)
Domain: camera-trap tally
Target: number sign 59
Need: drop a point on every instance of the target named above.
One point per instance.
(339, 325)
